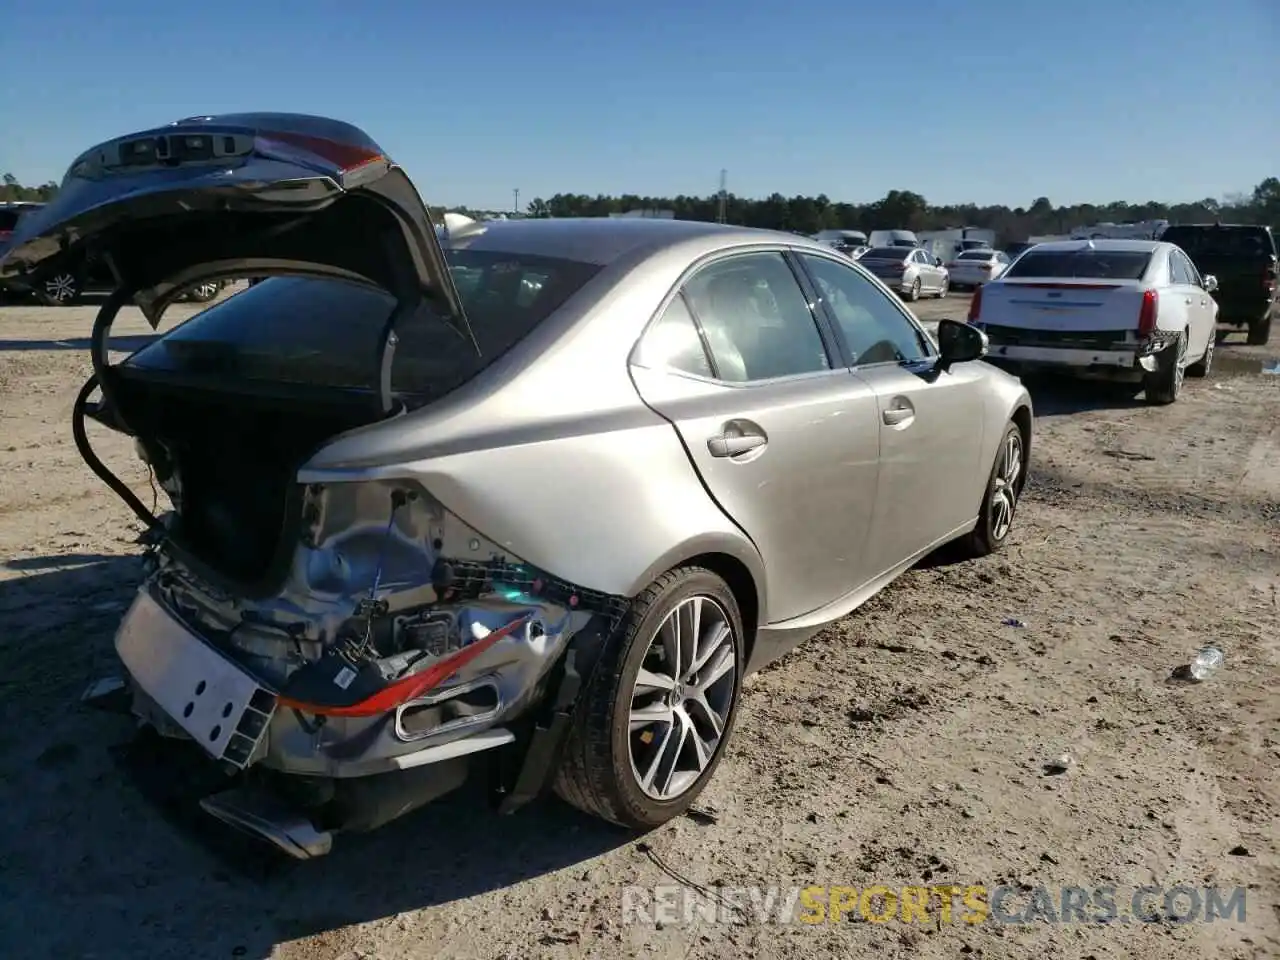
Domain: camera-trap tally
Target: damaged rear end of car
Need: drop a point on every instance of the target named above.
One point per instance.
(345, 649)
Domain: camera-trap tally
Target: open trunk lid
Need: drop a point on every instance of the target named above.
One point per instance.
(223, 197)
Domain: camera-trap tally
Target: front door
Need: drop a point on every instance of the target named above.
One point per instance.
(931, 481)
(785, 439)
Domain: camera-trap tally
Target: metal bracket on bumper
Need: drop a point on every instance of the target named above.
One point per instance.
(543, 745)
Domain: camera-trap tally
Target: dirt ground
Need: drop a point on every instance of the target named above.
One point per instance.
(905, 745)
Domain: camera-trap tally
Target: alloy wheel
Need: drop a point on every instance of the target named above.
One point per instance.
(1179, 364)
(1004, 493)
(682, 698)
(61, 288)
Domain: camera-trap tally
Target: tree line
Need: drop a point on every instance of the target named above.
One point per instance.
(899, 209)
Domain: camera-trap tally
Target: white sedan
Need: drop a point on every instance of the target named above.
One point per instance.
(973, 268)
(1135, 310)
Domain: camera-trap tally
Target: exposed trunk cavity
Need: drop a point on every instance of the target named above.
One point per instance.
(228, 463)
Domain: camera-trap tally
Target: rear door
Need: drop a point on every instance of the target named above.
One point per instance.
(1200, 308)
(930, 482)
(784, 437)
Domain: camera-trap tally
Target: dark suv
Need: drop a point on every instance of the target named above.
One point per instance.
(1243, 258)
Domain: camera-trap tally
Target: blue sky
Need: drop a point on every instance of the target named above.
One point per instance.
(994, 101)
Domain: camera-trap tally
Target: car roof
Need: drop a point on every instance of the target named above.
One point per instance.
(602, 240)
(1113, 246)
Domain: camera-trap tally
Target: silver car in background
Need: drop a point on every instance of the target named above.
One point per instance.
(910, 271)
(528, 500)
(973, 268)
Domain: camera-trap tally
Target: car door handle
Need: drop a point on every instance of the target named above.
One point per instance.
(901, 412)
(736, 439)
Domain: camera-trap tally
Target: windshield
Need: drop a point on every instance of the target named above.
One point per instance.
(1255, 242)
(886, 253)
(977, 255)
(1082, 264)
(326, 332)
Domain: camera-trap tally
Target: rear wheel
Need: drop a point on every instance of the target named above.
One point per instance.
(654, 719)
(1260, 331)
(1163, 385)
(1202, 366)
(1000, 503)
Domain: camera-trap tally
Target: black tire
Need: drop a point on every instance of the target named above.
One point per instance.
(944, 289)
(1260, 331)
(595, 773)
(1164, 384)
(61, 290)
(1201, 367)
(990, 534)
(914, 295)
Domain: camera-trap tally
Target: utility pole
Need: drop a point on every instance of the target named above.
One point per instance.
(515, 200)
(722, 208)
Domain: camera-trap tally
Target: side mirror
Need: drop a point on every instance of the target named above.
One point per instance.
(1210, 283)
(937, 261)
(958, 343)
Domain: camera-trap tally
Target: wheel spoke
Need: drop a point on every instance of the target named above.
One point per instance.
(647, 681)
(698, 705)
(662, 756)
(666, 764)
(720, 666)
(716, 637)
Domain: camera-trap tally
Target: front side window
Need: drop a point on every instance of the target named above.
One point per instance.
(874, 327)
(756, 320)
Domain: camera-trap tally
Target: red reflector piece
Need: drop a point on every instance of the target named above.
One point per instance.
(345, 156)
(408, 688)
(975, 305)
(1148, 312)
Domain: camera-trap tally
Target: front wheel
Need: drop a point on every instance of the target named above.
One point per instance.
(654, 719)
(914, 295)
(945, 288)
(1000, 502)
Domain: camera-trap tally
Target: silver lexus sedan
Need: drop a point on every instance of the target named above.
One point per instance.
(527, 501)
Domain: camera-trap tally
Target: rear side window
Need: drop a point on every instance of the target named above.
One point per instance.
(1083, 264)
(325, 333)
(1241, 241)
(673, 342)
